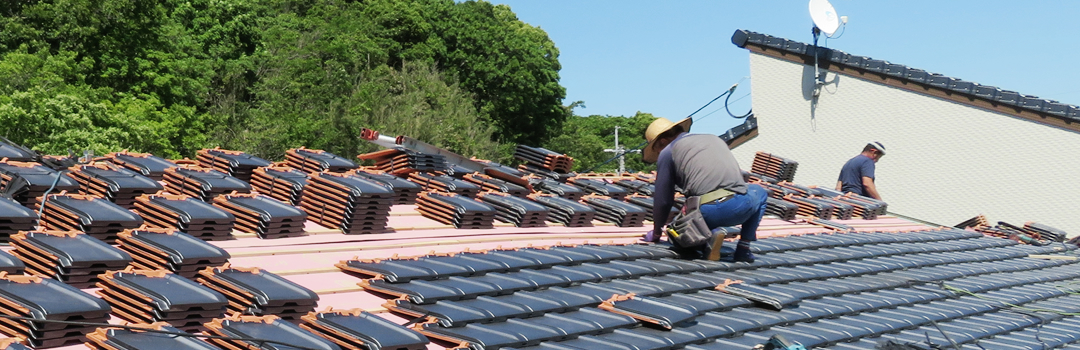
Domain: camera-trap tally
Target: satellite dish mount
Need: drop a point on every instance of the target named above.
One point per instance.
(825, 21)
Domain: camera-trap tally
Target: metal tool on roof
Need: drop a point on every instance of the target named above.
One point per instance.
(358, 329)
(405, 191)
(615, 211)
(185, 213)
(146, 164)
(97, 217)
(264, 327)
(116, 184)
(316, 160)
(253, 291)
(351, 203)
(410, 143)
(235, 163)
(458, 210)
(564, 211)
(148, 296)
(42, 299)
(26, 182)
(519, 211)
(116, 338)
(71, 257)
(444, 183)
(203, 183)
(170, 249)
(280, 182)
(262, 215)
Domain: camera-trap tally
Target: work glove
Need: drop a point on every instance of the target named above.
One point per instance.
(651, 237)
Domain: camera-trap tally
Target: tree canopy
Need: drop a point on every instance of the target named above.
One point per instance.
(173, 76)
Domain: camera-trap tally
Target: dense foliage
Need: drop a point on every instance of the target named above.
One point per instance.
(586, 138)
(173, 76)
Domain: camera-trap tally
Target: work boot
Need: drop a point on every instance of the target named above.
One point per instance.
(742, 252)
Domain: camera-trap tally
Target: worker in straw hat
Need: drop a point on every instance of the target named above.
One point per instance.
(702, 165)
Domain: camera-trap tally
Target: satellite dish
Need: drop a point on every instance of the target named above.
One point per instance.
(824, 16)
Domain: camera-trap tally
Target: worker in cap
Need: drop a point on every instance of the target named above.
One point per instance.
(857, 175)
(702, 165)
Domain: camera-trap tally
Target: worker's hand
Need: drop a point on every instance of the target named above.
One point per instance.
(651, 237)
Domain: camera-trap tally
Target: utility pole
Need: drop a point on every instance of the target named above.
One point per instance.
(620, 152)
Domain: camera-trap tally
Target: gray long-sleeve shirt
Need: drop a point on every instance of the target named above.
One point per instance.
(697, 163)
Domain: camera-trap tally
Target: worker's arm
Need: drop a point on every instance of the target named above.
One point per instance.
(664, 190)
(839, 184)
(870, 188)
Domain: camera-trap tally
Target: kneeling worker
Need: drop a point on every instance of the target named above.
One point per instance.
(702, 165)
(857, 175)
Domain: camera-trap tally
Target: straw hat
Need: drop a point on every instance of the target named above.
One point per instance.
(659, 126)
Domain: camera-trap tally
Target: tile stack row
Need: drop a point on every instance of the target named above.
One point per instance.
(234, 163)
(489, 183)
(116, 184)
(71, 257)
(401, 161)
(350, 203)
(280, 182)
(405, 191)
(146, 164)
(148, 296)
(202, 183)
(445, 183)
(95, 216)
(26, 182)
(458, 210)
(549, 186)
(616, 211)
(568, 212)
(519, 211)
(185, 213)
(155, 336)
(170, 249)
(252, 291)
(314, 161)
(774, 166)
(15, 217)
(236, 332)
(43, 299)
(600, 187)
(544, 158)
(262, 215)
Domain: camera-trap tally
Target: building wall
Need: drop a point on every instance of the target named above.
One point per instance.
(946, 161)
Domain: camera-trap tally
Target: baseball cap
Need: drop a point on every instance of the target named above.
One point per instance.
(878, 146)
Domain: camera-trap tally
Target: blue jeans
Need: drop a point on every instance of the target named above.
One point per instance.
(742, 209)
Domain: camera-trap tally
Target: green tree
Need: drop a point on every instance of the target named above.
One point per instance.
(585, 139)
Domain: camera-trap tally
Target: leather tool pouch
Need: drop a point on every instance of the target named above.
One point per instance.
(688, 228)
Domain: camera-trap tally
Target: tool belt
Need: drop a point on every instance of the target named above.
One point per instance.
(688, 227)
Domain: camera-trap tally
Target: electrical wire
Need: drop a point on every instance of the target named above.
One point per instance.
(259, 341)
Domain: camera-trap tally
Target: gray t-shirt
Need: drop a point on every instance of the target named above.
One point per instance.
(698, 164)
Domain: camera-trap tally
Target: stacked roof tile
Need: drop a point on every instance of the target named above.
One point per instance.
(615, 211)
(282, 183)
(445, 183)
(15, 217)
(25, 182)
(235, 163)
(402, 161)
(646, 202)
(252, 291)
(279, 334)
(636, 186)
(146, 164)
(148, 296)
(568, 212)
(95, 216)
(492, 184)
(549, 186)
(358, 329)
(15, 152)
(774, 166)
(458, 210)
(314, 160)
(155, 336)
(544, 158)
(203, 183)
(599, 187)
(516, 210)
(187, 214)
(169, 249)
(72, 257)
(263, 215)
(116, 184)
(405, 191)
(40, 300)
(350, 203)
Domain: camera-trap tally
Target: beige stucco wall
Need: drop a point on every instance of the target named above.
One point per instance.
(946, 161)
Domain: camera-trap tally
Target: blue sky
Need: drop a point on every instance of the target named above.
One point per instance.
(671, 57)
